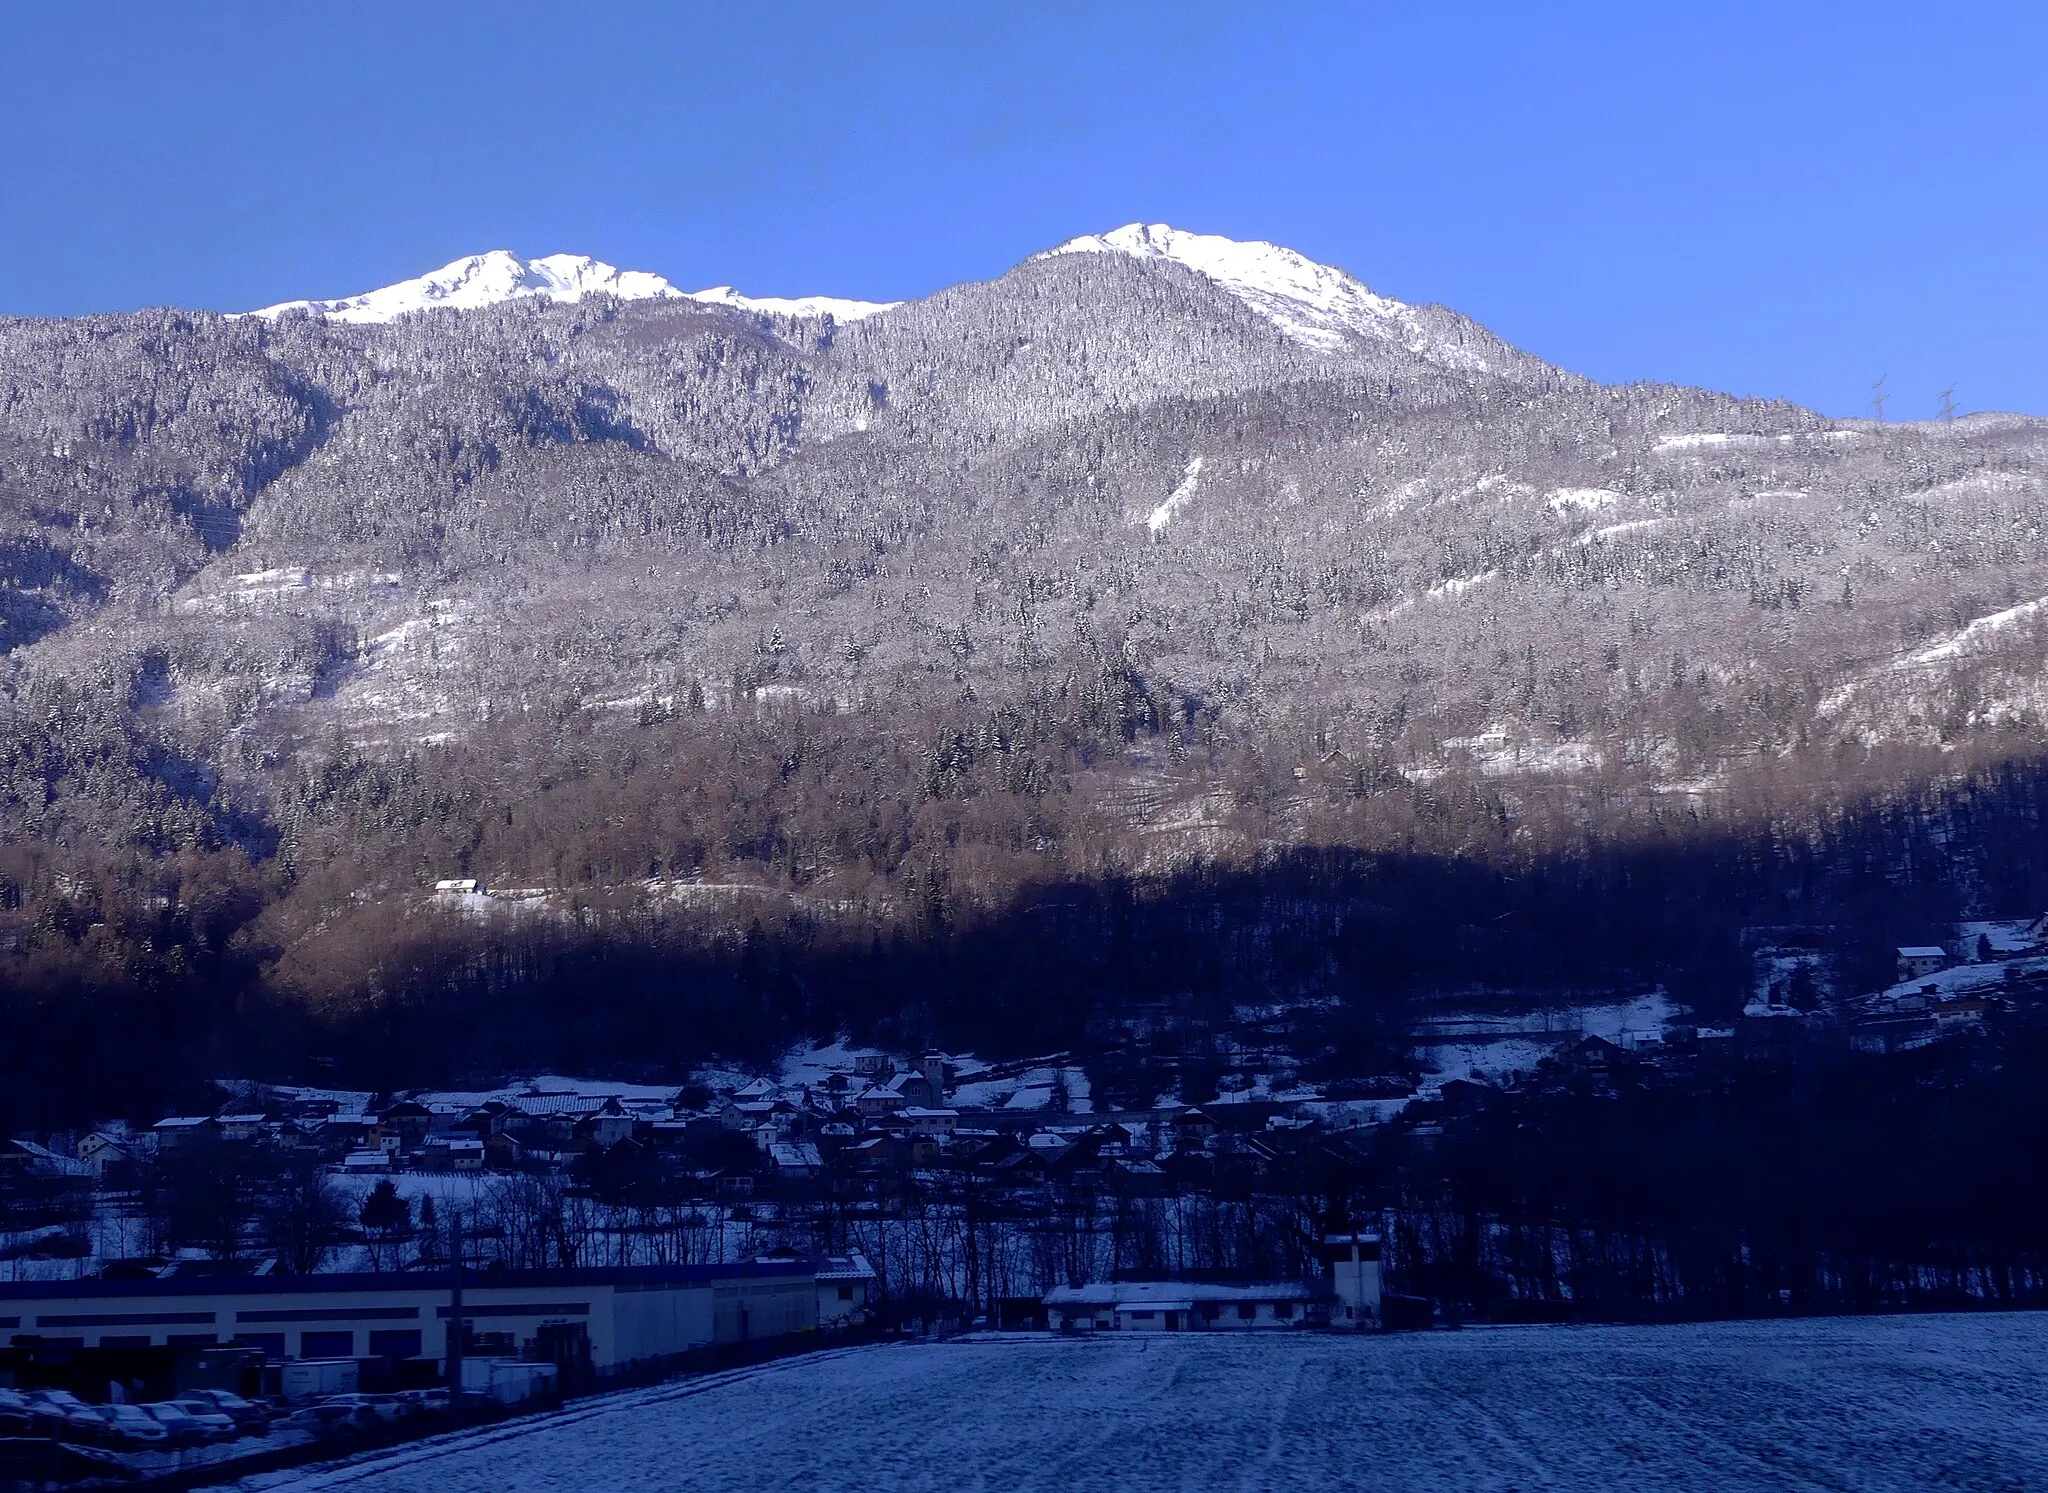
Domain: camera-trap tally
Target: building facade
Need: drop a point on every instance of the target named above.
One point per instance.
(628, 1315)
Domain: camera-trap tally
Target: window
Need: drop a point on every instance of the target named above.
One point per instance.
(327, 1345)
(139, 1341)
(396, 1343)
(1283, 1310)
(1247, 1310)
(191, 1340)
(272, 1343)
(846, 1293)
(1141, 1316)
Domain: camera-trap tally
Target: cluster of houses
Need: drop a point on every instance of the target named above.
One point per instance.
(1938, 991)
(846, 1134)
(1942, 992)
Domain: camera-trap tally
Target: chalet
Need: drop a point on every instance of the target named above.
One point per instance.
(452, 1151)
(111, 1158)
(1918, 961)
(241, 1127)
(409, 1119)
(340, 1133)
(1590, 1055)
(178, 1131)
(668, 1137)
(924, 1121)
(747, 1114)
(875, 1154)
(503, 1152)
(800, 1161)
(1960, 1015)
(1193, 1130)
(27, 1158)
(879, 1099)
(1021, 1168)
(605, 1126)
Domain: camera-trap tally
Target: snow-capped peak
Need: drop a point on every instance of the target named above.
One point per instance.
(489, 280)
(1317, 305)
(836, 307)
(499, 276)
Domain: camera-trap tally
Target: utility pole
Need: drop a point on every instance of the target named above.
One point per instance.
(1877, 398)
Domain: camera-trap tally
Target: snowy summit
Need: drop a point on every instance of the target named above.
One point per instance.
(1317, 305)
(499, 276)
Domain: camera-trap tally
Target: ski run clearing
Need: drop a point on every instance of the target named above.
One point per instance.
(1865, 1403)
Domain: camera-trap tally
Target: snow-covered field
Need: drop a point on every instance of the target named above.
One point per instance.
(1873, 1403)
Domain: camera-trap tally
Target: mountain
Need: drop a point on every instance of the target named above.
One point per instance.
(1315, 304)
(1151, 562)
(500, 276)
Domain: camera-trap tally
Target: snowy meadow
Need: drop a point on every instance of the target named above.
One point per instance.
(1871, 1403)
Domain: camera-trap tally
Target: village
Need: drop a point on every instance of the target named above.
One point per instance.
(838, 1146)
(311, 1250)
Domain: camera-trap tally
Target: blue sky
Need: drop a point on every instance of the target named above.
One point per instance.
(1780, 199)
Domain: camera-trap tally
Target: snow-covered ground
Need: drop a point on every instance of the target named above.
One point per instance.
(1494, 1044)
(1872, 1403)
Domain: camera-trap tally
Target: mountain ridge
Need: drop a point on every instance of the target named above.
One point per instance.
(732, 634)
(1319, 306)
(500, 276)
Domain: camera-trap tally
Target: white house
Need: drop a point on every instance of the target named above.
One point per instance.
(1917, 961)
(1188, 1306)
(846, 1285)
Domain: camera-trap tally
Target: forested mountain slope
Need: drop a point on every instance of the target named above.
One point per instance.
(1158, 556)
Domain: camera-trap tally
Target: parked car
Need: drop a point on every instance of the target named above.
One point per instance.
(247, 1415)
(201, 1421)
(385, 1407)
(325, 1418)
(15, 1419)
(132, 1428)
(66, 1415)
(427, 1401)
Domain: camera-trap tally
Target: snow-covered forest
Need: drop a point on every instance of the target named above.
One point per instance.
(777, 676)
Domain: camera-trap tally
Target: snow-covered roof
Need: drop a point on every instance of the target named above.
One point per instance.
(846, 1267)
(1181, 1294)
(1922, 951)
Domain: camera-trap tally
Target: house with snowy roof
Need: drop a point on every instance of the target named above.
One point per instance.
(846, 1285)
(174, 1131)
(1188, 1306)
(1918, 961)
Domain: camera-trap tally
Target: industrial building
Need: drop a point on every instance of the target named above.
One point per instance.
(627, 1316)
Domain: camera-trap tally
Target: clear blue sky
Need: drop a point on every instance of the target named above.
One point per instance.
(1772, 198)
